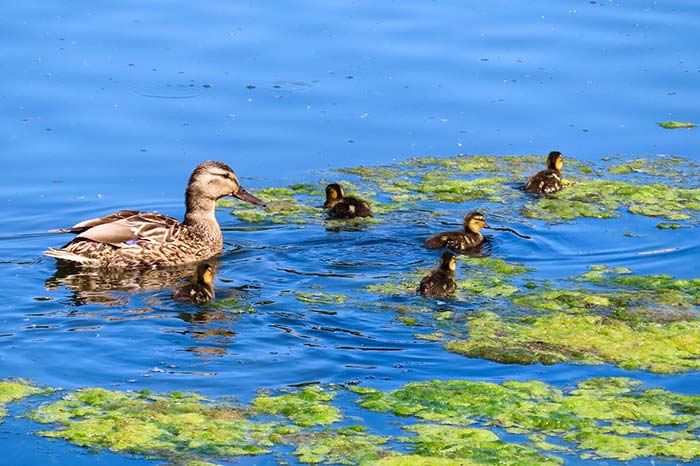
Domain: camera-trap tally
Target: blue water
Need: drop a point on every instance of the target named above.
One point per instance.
(110, 105)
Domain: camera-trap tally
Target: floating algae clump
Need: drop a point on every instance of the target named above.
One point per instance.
(308, 407)
(349, 445)
(319, 297)
(664, 348)
(14, 390)
(445, 445)
(602, 418)
(177, 426)
(676, 124)
(605, 198)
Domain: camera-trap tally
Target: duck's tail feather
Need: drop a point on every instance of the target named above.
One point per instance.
(71, 257)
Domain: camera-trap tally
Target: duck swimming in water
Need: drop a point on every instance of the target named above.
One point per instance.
(130, 238)
(344, 207)
(547, 181)
(201, 289)
(460, 240)
(440, 283)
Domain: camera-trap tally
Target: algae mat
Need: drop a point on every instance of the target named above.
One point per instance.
(452, 422)
(662, 187)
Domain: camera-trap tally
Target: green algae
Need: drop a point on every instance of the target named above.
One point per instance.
(176, 426)
(349, 445)
(467, 446)
(308, 407)
(674, 168)
(318, 297)
(12, 390)
(663, 348)
(605, 198)
(601, 418)
(676, 124)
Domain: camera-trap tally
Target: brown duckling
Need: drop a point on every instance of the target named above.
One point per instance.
(344, 207)
(460, 240)
(547, 181)
(201, 289)
(130, 238)
(440, 283)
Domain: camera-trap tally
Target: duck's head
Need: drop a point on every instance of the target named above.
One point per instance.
(555, 160)
(205, 274)
(334, 194)
(448, 261)
(474, 222)
(212, 180)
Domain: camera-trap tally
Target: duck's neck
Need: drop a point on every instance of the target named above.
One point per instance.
(199, 209)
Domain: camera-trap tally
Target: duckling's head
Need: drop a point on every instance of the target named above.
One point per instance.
(212, 180)
(448, 261)
(474, 222)
(555, 160)
(334, 194)
(205, 274)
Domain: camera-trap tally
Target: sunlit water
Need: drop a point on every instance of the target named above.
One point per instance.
(108, 106)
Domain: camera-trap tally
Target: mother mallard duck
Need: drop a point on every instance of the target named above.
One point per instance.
(130, 238)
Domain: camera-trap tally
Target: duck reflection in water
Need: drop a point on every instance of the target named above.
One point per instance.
(201, 288)
(112, 285)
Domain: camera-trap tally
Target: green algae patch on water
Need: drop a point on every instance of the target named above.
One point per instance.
(174, 426)
(605, 199)
(12, 390)
(657, 347)
(602, 418)
(676, 124)
(349, 445)
(319, 297)
(439, 444)
(306, 408)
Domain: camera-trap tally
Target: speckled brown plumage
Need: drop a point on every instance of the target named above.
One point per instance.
(131, 238)
(460, 240)
(440, 283)
(547, 181)
(201, 289)
(342, 207)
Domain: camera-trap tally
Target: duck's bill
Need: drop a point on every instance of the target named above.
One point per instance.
(244, 195)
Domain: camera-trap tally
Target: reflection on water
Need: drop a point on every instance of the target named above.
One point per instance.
(112, 285)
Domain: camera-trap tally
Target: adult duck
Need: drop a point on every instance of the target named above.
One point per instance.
(547, 181)
(130, 238)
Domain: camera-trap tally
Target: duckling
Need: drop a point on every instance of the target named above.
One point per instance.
(460, 240)
(201, 289)
(547, 181)
(440, 283)
(344, 207)
(130, 238)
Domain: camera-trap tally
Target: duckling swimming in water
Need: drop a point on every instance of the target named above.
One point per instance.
(547, 181)
(130, 238)
(201, 289)
(440, 283)
(344, 207)
(460, 240)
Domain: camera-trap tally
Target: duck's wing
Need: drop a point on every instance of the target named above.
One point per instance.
(127, 229)
(87, 224)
